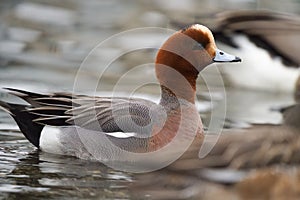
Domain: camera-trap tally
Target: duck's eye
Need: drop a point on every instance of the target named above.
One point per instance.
(221, 53)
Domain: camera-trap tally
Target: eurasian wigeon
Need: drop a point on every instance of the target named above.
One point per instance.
(51, 121)
(268, 43)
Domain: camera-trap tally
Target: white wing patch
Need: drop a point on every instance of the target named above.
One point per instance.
(121, 134)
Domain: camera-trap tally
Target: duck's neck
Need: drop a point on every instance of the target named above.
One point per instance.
(177, 76)
(172, 90)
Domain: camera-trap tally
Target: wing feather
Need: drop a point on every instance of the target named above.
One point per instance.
(110, 114)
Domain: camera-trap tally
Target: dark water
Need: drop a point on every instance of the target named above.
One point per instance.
(45, 55)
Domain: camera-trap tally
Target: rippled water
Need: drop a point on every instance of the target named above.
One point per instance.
(46, 56)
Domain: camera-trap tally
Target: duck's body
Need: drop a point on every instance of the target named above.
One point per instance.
(52, 121)
(89, 127)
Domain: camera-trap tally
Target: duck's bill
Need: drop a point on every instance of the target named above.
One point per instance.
(222, 56)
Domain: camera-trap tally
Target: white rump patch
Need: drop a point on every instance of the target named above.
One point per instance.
(49, 140)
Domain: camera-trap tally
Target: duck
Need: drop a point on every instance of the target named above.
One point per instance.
(268, 36)
(263, 157)
(257, 146)
(86, 126)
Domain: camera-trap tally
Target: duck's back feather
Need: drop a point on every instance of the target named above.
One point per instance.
(104, 114)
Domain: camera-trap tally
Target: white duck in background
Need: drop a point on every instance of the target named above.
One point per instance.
(269, 44)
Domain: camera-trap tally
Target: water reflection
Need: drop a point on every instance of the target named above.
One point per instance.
(44, 176)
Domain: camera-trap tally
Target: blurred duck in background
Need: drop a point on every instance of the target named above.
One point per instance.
(260, 162)
(268, 43)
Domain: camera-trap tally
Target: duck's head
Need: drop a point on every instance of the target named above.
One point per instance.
(186, 53)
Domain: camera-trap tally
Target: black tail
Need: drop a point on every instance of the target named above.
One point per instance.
(31, 130)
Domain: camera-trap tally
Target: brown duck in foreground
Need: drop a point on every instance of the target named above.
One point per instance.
(116, 130)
